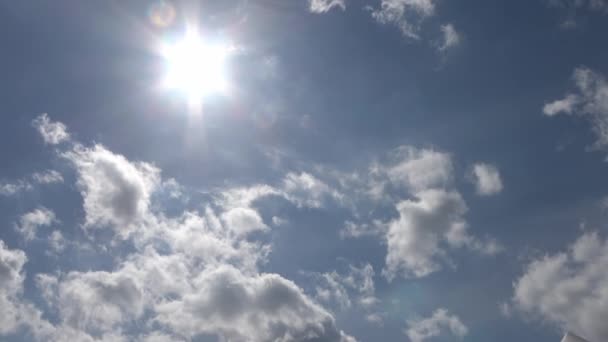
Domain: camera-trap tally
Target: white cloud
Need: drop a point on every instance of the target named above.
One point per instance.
(305, 190)
(53, 133)
(405, 14)
(243, 221)
(451, 37)
(486, 178)
(427, 226)
(565, 105)
(591, 101)
(9, 189)
(264, 307)
(413, 169)
(116, 192)
(47, 177)
(57, 242)
(31, 221)
(357, 283)
(440, 323)
(322, 6)
(27, 184)
(570, 288)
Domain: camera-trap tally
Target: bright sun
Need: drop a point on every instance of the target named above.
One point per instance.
(196, 67)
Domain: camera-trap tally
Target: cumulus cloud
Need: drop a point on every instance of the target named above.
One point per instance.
(570, 288)
(411, 168)
(440, 323)
(263, 307)
(116, 192)
(591, 102)
(305, 190)
(405, 14)
(30, 222)
(427, 226)
(52, 132)
(486, 178)
(451, 37)
(322, 6)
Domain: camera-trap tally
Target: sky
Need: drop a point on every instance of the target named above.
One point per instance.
(303, 170)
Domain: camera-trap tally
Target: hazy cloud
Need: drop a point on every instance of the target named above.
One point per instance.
(52, 132)
(486, 178)
(440, 323)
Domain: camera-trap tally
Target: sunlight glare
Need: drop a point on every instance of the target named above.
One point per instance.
(196, 67)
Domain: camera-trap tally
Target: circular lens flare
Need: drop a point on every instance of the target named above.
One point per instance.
(196, 67)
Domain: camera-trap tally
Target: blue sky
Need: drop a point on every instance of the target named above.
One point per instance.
(323, 170)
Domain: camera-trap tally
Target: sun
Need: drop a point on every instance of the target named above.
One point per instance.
(196, 67)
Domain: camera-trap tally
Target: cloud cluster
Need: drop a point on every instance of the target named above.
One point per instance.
(191, 274)
(438, 324)
(570, 288)
(430, 221)
(590, 101)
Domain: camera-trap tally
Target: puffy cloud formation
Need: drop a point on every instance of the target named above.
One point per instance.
(591, 101)
(116, 192)
(570, 288)
(436, 325)
(53, 133)
(29, 222)
(411, 168)
(322, 6)
(486, 178)
(305, 190)
(426, 227)
(241, 307)
(190, 274)
(405, 14)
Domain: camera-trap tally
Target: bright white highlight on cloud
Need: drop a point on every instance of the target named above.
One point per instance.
(322, 6)
(196, 67)
(486, 178)
(53, 133)
(570, 288)
(440, 323)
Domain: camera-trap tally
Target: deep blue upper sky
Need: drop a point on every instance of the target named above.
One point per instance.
(480, 210)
